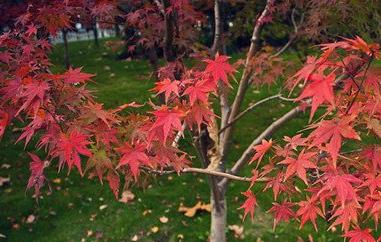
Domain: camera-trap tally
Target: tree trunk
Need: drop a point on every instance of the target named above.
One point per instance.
(218, 219)
(95, 31)
(66, 49)
(117, 29)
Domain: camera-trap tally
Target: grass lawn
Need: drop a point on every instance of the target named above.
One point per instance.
(75, 209)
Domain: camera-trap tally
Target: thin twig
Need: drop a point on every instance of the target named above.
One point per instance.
(360, 86)
(293, 37)
(251, 107)
(247, 154)
(204, 171)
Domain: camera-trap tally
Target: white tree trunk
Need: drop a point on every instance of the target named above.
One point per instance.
(218, 220)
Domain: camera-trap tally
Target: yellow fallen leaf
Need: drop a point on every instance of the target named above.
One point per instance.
(146, 212)
(191, 211)
(89, 233)
(155, 229)
(57, 180)
(237, 230)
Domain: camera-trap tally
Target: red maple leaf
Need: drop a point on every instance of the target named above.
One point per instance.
(346, 216)
(330, 133)
(277, 184)
(308, 211)
(74, 76)
(133, 156)
(282, 212)
(342, 186)
(220, 68)
(359, 44)
(198, 114)
(200, 91)
(33, 95)
(299, 165)
(295, 141)
(320, 90)
(167, 120)
(37, 177)
(373, 154)
(114, 182)
(360, 235)
(261, 150)
(70, 146)
(304, 73)
(4, 117)
(94, 111)
(249, 204)
(167, 87)
(372, 182)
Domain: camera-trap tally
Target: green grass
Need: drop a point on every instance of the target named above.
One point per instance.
(72, 208)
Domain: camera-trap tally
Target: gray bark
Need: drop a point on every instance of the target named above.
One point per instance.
(218, 219)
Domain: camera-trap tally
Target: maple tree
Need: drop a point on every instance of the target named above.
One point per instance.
(339, 86)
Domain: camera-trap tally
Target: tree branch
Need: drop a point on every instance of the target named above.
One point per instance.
(169, 51)
(293, 37)
(248, 153)
(243, 85)
(217, 28)
(203, 171)
(251, 107)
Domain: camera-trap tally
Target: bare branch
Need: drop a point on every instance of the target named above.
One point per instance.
(217, 28)
(203, 171)
(179, 134)
(292, 37)
(248, 153)
(243, 85)
(251, 107)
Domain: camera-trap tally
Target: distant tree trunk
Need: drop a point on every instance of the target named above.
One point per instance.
(95, 31)
(66, 49)
(117, 30)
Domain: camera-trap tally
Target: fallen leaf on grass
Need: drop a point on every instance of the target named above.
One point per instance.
(135, 238)
(102, 207)
(5, 166)
(4, 180)
(155, 229)
(146, 212)
(163, 219)
(237, 230)
(89, 233)
(30, 219)
(127, 196)
(15, 226)
(191, 211)
(56, 181)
